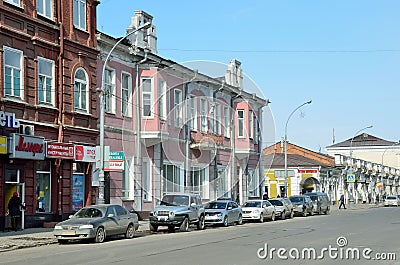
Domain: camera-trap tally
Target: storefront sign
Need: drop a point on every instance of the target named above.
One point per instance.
(85, 153)
(7, 119)
(27, 147)
(3, 145)
(59, 150)
(115, 162)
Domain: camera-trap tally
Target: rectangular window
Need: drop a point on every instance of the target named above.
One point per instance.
(178, 117)
(256, 129)
(45, 8)
(218, 119)
(172, 179)
(43, 184)
(79, 11)
(252, 183)
(13, 73)
(162, 99)
(251, 125)
(241, 123)
(126, 93)
(80, 90)
(46, 88)
(147, 179)
(109, 89)
(203, 115)
(14, 2)
(223, 183)
(147, 97)
(227, 122)
(193, 113)
(199, 181)
(128, 180)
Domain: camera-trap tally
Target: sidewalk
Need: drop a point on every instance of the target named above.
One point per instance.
(33, 237)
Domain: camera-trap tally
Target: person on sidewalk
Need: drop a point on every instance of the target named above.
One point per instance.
(14, 208)
(342, 202)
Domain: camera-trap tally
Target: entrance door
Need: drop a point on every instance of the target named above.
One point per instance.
(12, 185)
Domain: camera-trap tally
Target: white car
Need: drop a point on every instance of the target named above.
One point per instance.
(391, 201)
(258, 210)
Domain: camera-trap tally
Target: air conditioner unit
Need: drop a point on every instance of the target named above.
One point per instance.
(27, 129)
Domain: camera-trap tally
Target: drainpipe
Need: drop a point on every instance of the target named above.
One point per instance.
(138, 160)
(233, 160)
(216, 150)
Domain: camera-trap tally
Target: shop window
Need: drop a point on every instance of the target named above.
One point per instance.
(43, 187)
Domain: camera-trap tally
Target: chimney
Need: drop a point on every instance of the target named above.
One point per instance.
(234, 75)
(145, 38)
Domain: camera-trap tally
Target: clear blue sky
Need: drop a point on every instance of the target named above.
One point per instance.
(344, 55)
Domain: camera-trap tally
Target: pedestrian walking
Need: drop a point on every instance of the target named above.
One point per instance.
(342, 202)
(14, 208)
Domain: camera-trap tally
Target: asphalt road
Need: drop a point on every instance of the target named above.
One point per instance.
(367, 231)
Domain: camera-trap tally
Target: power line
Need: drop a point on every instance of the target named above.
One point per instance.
(284, 51)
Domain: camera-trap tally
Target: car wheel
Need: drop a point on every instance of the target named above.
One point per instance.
(62, 241)
(185, 225)
(273, 216)
(312, 212)
(202, 223)
(153, 227)
(100, 235)
(283, 215)
(130, 231)
(240, 220)
(226, 223)
(261, 219)
(171, 229)
(304, 212)
(319, 211)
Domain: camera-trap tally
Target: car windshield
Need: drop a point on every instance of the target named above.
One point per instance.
(252, 204)
(88, 213)
(296, 199)
(314, 197)
(391, 198)
(215, 205)
(175, 200)
(276, 202)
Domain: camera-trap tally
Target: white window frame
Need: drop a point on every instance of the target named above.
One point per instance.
(192, 108)
(109, 90)
(14, 68)
(79, 16)
(151, 98)
(14, 2)
(202, 187)
(241, 122)
(251, 124)
(128, 179)
(81, 82)
(177, 169)
(255, 129)
(48, 173)
(47, 78)
(127, 112)
(203, 115)
(147, 167)
(162, 99)
(224, 180)
(253, 183)
(227, 122)
(47, 8)
(178, 110)
(218, 119)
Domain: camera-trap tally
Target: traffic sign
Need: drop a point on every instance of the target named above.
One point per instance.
(351, 178)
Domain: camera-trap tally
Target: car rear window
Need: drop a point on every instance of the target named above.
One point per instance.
(276, 202)
(252, 204)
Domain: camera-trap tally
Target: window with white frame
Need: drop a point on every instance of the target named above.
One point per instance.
(203, 115)
(46, 87)
(251, 124)
(193, 113)
(126, 93)
(162, 99)
(223, 182)
(199, 181)
(13, 73)
(81, 90)
(147, 97)
(45, 8)
(128, 179)
(218, 119)
(147, 179)
(43, 182)
(79, 12)
(178, 114)
(227, 122)
(14, 2)
(256, 129)
(109, 90)
(241, 123)
(252, 183)
(173, 178)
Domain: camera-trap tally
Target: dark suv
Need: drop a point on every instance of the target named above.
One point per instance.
(303, 205)
(178, 210)
(320, 202)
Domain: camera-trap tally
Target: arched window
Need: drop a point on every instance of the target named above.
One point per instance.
(81, 90)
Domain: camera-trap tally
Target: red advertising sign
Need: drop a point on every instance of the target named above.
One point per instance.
(85, 153)
(59, 150)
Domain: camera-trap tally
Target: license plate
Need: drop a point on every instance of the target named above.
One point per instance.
(163, 218)
(68, 233)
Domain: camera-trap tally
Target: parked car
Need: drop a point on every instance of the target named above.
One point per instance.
(391, 201)
(320, 202)
(178, 210)
(303, 205)
(289, 206)
(281, 208)
(258, 210)
(223, 212)
(97, 222)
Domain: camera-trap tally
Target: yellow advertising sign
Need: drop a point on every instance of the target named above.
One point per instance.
(3, 145)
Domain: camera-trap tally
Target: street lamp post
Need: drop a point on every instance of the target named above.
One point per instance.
(285, 143)
(351, 184)
(102, 111)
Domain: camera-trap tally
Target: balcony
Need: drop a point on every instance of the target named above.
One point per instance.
(207, 141)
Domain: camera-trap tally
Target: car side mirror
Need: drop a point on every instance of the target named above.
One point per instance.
(230, 208)
(71, 216)
(193, 204)
(110, 215)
